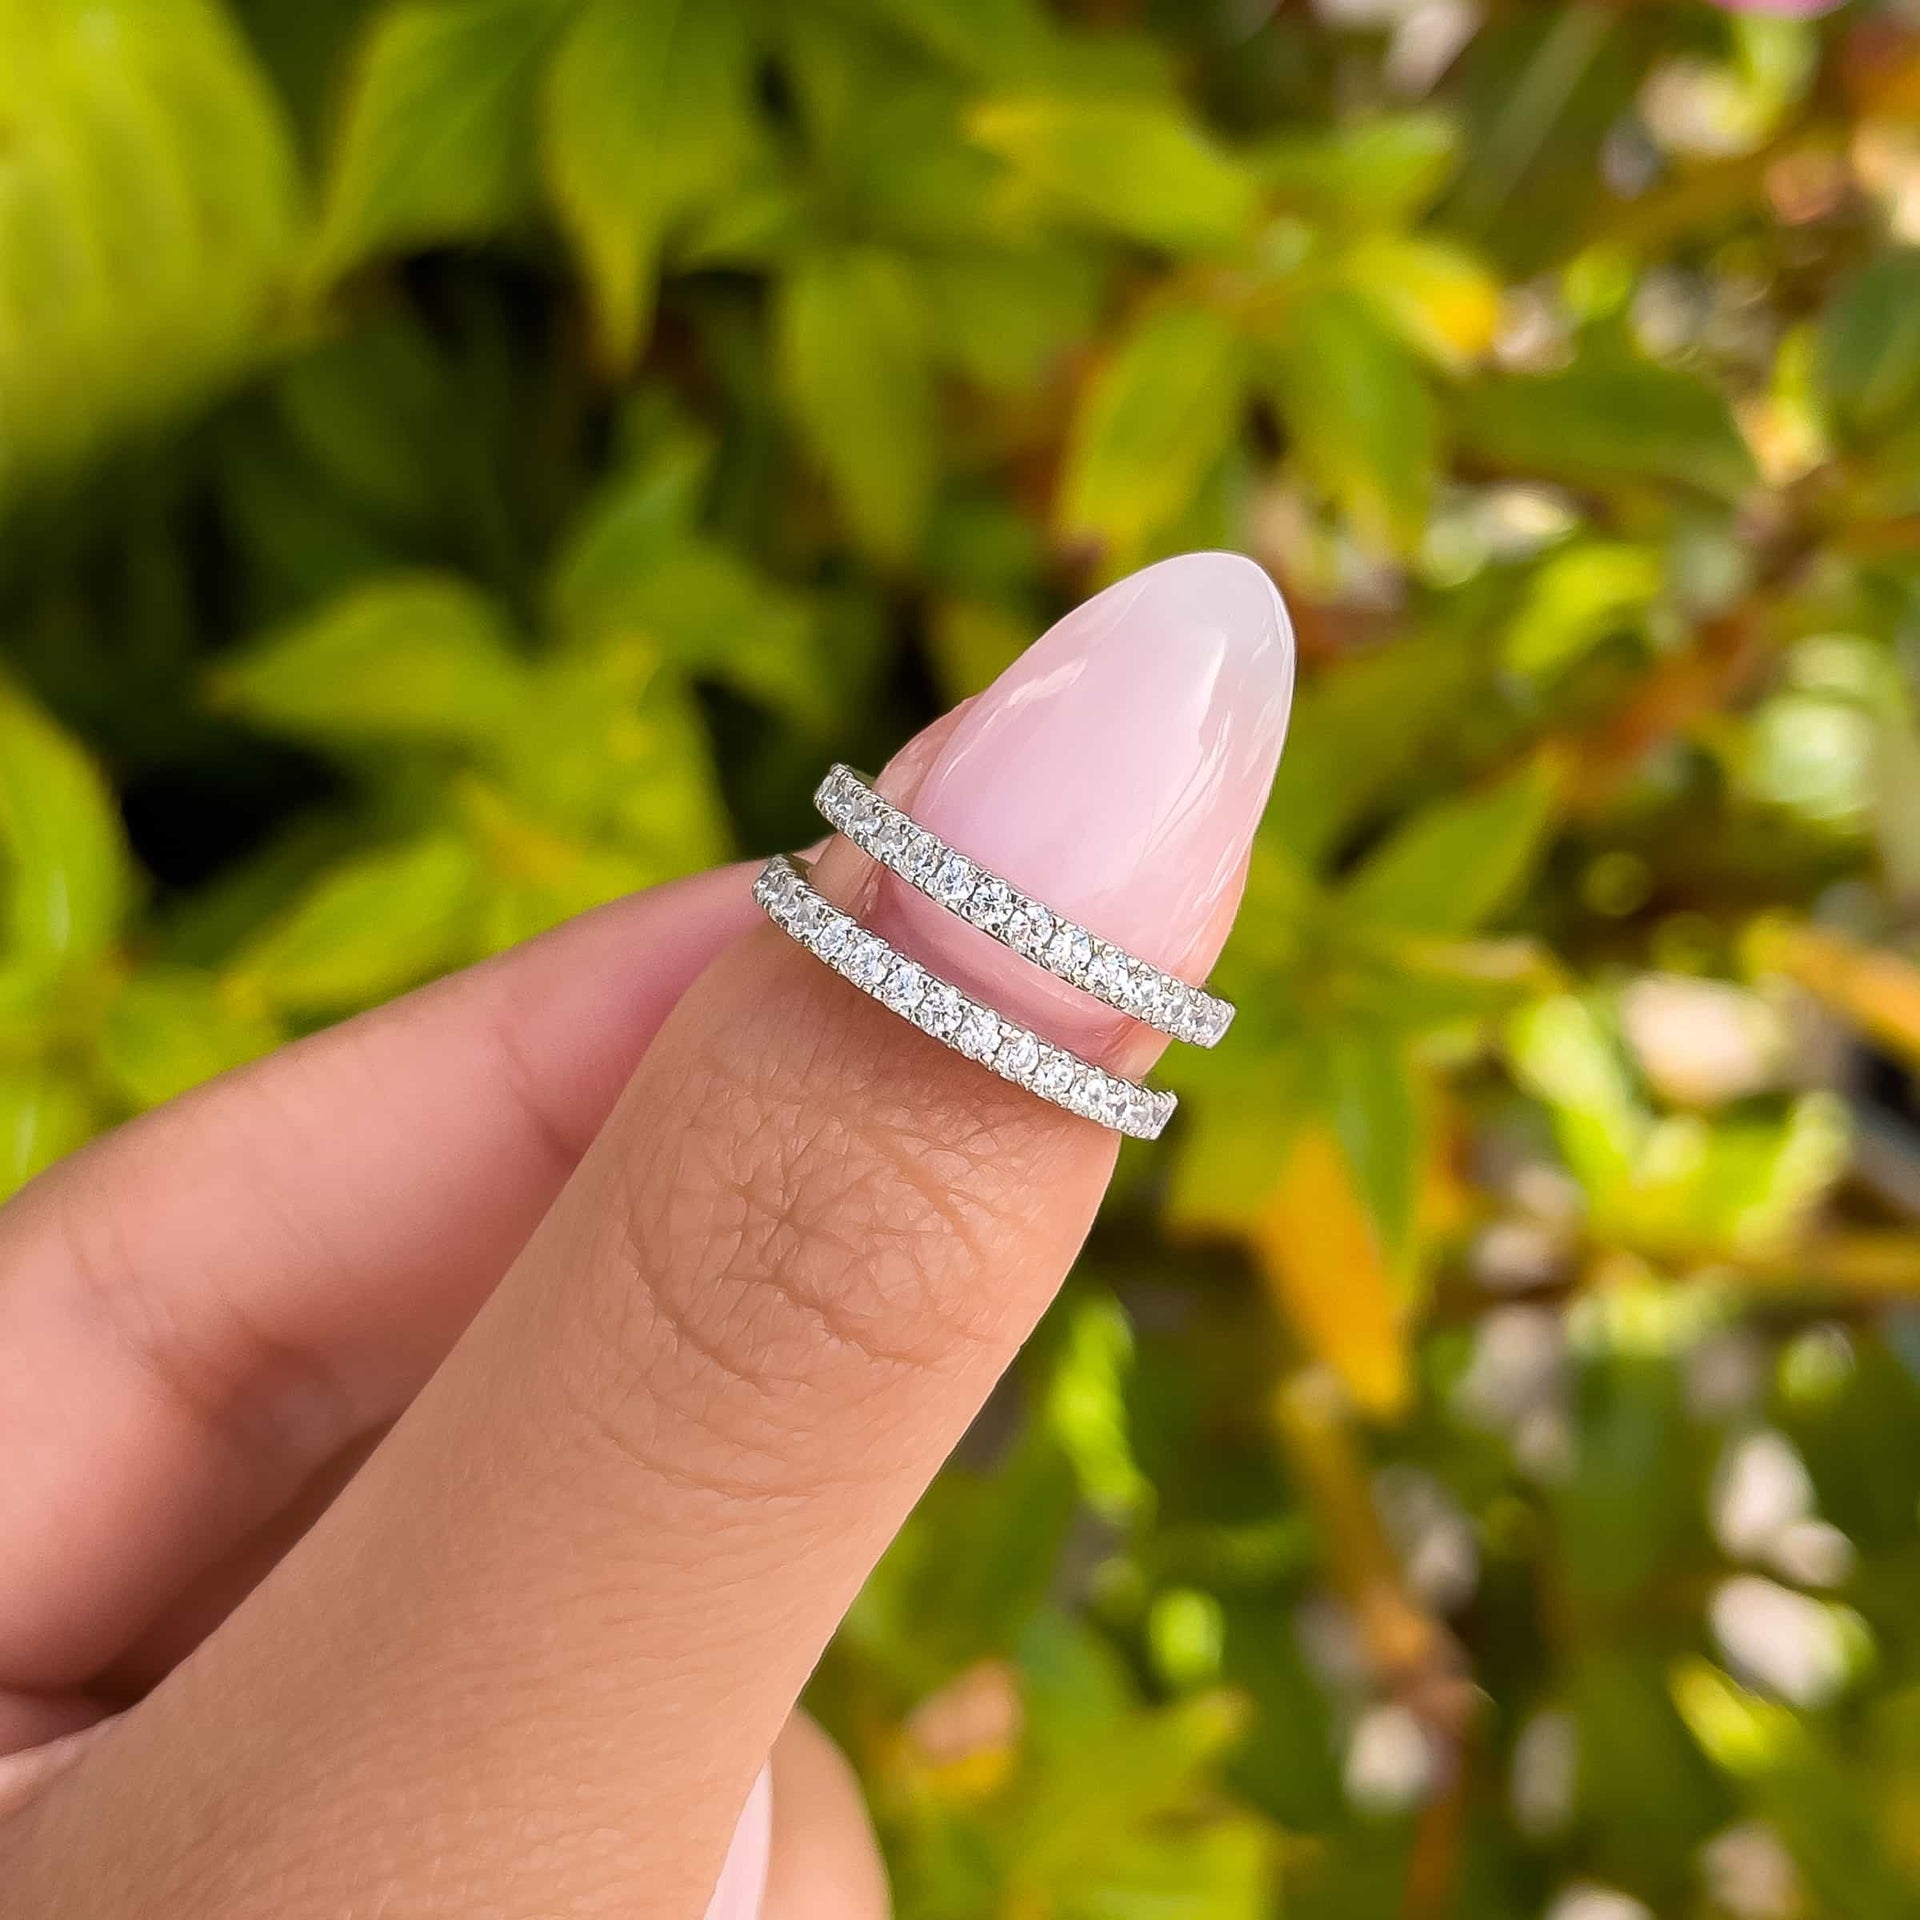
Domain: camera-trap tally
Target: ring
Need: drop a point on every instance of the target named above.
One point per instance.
(941, 1010)
(846, 801)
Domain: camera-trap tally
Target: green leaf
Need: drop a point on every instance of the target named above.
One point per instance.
(1150, 425)
(1868, 356)
(44, 1114)
(1563, 1056)
(853, 357)
(368, 928)
(1354, 732)
(715, 618)
(1358, 413)
(988, 37)
(1005, 318)
(1578, 598)
(1086, 1409)
(625, 532)
(610, 749)
(1375, 1110)
(1610, 417)
(65, 879)
(1448, 870)
(419, 656)
(173, 1027)
(1438, 298)
(1137, 168)
(1378, 172)
(147, 213)
(644, 118)
(437, 128)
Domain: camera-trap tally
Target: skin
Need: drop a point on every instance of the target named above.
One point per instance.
(769, 1289)
(440, 1452)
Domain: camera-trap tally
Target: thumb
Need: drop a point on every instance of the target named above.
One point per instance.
(534, 1656)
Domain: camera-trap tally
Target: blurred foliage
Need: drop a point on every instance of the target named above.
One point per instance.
(462, 459)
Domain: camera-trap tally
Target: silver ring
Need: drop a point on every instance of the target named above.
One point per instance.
(846, 800)
(941, 1010)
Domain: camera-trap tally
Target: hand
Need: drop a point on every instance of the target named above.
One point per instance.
(443, 1592)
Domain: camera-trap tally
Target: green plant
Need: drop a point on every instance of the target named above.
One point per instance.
(462, 459)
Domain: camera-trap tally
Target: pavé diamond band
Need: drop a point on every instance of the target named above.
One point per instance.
(846, 800)
(1012, 1051)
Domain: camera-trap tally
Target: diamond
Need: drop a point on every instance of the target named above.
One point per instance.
(975, 1030)
(992, 902)
(861, 816)
(904, 987)
(922, 857)
(866, 960)
(1019, 1053)
(1054, 1076)
(1036, 929)
(894, 837)
(953, 879)
(1070, 950)
(939, 1011)
(979, 1035)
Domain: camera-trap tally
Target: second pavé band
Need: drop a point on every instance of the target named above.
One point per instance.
(938, 1008)
(1144, 992)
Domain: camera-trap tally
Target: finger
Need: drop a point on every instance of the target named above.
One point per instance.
(199, 1310)
(803, 1848)
(824, 1862)
(533, 1657)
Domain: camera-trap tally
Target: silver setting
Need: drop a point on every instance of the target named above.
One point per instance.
(1014, 1052)
(846, 800)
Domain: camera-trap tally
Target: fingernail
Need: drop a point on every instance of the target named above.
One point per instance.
(741, 1889)
(1117, 770)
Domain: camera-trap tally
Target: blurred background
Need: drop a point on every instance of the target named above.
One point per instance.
(463, 459)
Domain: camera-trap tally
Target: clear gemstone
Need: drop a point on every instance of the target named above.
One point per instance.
(1070, 950)
(1039, 930)
(923, 856)
(953, 879)
(1054, 1077)
(862, 815)
(831, 939)
(940, 1010)
(979, 1035)
(805, 914)
(992, 902)
(1088, 1092)
(867, 960)
(1019, 1053)
(1105, 971)
(905, 984)
(894, 837)
(1116, 1103)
